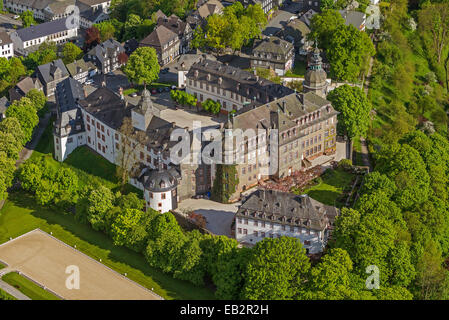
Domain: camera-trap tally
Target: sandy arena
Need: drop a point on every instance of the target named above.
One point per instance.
(44, 259)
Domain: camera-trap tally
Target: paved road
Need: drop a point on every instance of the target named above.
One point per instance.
(10, 289)
(365, 154)
(27, 151)
(281, 18)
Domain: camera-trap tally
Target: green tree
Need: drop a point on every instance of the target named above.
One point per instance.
(142, 66)
(10, 145)
(276, 270)
(12, 126)
(7, 168)
(211, 106)
(38, 99)
(27, 18)
(124, 224)
(324, 25)
(30, 175)
(101, 201)
(24, 111)
(107, 30)
(71, 53)
(354, 109)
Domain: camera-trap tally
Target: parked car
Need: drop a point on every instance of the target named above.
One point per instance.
(89, 82)
(165, 70)
(133, 94)
(160, 89)
(173, 87)
(167, 89)
(153, 91)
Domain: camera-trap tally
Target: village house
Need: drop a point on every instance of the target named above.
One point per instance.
(105, 56)
(273, 53)
(6, 46)
(50, 75)
(165, 42)
(81, 70)
(181, 28)
(23, 87)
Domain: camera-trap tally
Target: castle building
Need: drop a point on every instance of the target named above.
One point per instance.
(291, 131)
(272, 214)
(232, 87)
(315, 78)
(160, 187)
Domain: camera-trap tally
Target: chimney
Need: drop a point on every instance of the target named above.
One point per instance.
(85, 92)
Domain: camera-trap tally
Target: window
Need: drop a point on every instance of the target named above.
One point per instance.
(69, 140)
(163, 196)
(262, 234)
(159, 204)
(246, 221)
(256, 234)
(256, 223)
(245, 231)
(151, 195)
(239, 230)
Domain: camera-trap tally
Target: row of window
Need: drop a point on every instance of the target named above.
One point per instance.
(271, 225)
(264, 234)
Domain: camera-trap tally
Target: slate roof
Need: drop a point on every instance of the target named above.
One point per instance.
(161, 35)
(79, 66)
(273, 45)
(4, 38)
(307, 17)
(352, 17)
(209, 8)
(288, 209)
(23, 86)
(49, 72)
(237, 80)
(283, 112)
(106, 50)
(4, 104)
(173, 23)
(43, 29)
(69, 119)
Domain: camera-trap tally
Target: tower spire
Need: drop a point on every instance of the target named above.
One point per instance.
(160, 164)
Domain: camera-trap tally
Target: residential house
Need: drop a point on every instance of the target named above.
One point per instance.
(23, 87)
(181, 28)
(165, 42)
(29, 39)
(232, 87)
(273, 214)
(273, 53)
(6, 46)
(105, 56)
(51, 74)
(81, 70)
(206, 9)
(296, 32)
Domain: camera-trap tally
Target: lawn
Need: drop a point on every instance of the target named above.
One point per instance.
(2, 266)
(298, 70)
(357, 150)
(87, 164)
(330, 187)
(6, 296)
(28, 288)
(21, 214)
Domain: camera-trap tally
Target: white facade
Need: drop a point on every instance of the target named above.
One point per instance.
(159, 201)
(251, 231)
(6, 50)
(203, 91)
(59, 38)
(65, 145)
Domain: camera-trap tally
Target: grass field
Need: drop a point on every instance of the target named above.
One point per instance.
(6, 296)
(298, 70)
(330, 187)
(1, 266)
(21, 214)
(27, 287)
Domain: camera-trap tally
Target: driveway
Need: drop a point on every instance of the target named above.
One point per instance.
(281, 18)
(219, 216)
